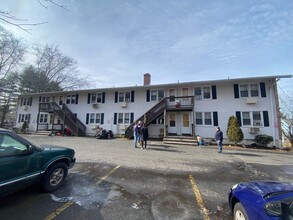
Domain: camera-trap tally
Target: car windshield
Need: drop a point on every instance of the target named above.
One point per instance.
(272, 194)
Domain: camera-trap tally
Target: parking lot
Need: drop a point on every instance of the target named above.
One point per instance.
(112, 180)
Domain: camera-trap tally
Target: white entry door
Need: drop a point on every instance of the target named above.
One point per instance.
(172, 123)
(185, 125)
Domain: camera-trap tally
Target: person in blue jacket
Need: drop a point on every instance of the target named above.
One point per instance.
(219, 139)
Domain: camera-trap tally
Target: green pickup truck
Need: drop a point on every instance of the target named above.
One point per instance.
(23, 164)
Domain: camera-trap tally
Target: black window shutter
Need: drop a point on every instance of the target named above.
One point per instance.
(88, 98)
(87, 118)
(29, 118)
(236, 91)
(148, 95)
(263, 89)
(132, 96)
(266, 119)
(19, 116)
(115, 118)
(214, 92)
(76, 101)
(238, 116)
(131, 117)
(40, 98)
(21, 101)
(102, 118)
(31, 101)
(103, 97)
(116, 97)
(215, 116)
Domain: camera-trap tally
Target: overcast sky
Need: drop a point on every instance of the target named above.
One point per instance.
(117, 41)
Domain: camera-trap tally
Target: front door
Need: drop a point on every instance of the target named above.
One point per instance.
(172, 124)
(186, 128)
(179, 123)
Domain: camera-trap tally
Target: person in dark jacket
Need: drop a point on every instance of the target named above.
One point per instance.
(144, 137)
(219, 139)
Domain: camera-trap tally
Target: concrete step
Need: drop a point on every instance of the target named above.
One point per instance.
(180, 140)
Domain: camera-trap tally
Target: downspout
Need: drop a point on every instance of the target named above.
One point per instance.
(272, 109)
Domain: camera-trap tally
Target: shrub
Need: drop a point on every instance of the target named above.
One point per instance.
(263, 139)
(234, 132)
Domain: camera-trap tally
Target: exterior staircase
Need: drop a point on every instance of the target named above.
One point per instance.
(172, 103)
(64, 113)
(148, 117)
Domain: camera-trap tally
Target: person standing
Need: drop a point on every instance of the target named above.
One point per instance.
(144, 137)
(219, 139)
(138, 131)
(134, 135)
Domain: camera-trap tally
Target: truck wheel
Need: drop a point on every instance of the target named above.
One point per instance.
(239, 212)
(54, 177)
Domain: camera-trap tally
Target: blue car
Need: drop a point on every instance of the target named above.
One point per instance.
(261, 200)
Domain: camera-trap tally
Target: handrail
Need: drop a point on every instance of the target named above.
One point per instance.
(186, 103)
(76, 126)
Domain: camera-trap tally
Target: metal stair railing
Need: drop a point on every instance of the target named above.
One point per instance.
(80, 126)
(148, 117)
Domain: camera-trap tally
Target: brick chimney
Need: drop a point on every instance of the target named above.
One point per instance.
(146, 79)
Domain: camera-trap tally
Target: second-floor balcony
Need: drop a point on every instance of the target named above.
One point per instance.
(182, 103)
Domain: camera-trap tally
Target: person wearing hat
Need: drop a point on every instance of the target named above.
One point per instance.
(219, 139)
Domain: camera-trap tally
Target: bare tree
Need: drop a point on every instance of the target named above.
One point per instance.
(286, 108)
(52, 71)
(8, 96)
(12, 51)
(24, 24)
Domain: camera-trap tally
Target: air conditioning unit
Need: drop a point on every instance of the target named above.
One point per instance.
(251, 100)
(253, 130)
(25, 107)
(95, 105)
(197, 97)
(123, 104)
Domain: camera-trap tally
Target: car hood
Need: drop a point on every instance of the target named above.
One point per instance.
(265, 187)
(53, 147)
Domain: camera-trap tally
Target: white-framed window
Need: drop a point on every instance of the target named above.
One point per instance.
(123, 118)
(154, 95)
(95, 118)
(44, 99)
(43, 118)
(257, 118)
(24, 117)
(254, 92)
(71, 99)
(202, 92)
(26, 101)
(246, 119)
(207, 118)
(127, 118)
(206, 92)
(161, 94)
(120, 118)
(198, 118)
(253, 118)
(124, 96)
(157, 95)
(99, 97)
(96, 97)
(203, 118)
(249, 90)
(93, 97)
(127, 97)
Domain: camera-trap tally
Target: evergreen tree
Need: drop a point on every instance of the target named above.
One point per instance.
(234, 132)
